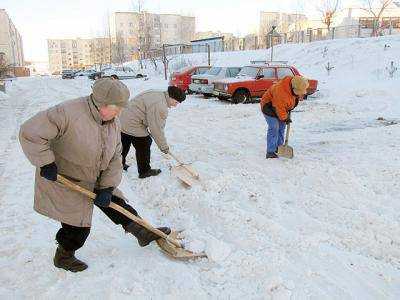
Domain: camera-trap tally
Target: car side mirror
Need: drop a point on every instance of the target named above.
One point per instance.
(259, 76)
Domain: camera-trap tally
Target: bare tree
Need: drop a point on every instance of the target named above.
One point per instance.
(100, 52)
(119, 49)
(5, 67)
(376, 8)
(328, 10)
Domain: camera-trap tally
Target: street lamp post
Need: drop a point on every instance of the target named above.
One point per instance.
(271, 34)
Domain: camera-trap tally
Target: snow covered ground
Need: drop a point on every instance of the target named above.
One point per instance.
(325, 225)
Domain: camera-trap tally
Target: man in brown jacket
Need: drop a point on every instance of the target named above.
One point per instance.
(146, 115)
(80, 139)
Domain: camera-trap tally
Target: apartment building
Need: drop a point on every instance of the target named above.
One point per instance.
(282, 21)
(134, 31)
(11, 46)
(78, 53)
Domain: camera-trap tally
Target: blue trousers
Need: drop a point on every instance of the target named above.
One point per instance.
(275, 133)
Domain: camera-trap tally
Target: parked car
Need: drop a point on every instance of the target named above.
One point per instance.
(67, 74)
(253, 80)
(121, 73)
(84, 73)
(204, 83)
(182, 78)
(95, 75)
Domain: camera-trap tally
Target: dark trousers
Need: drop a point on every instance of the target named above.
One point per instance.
(72, 238)
(142, 147)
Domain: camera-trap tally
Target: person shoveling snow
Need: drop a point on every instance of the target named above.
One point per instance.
(80, 139)
(147, 114)
(276, 104)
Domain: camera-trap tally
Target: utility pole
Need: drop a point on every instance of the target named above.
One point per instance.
(272, 42)
(209, 54)
(165, 62)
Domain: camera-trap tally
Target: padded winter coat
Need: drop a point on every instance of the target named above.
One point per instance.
(147, 114)
(85, 149)
(279, 99)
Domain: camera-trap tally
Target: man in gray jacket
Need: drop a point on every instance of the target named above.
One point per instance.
(80, 139)
(144, 119)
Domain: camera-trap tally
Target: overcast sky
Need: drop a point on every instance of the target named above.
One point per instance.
(38, 20)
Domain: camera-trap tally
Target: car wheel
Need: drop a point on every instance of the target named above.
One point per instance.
(139, 76)
(241, 96)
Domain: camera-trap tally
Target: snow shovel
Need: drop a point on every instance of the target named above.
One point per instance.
(185, 172)
(285, 150)
(169, 244)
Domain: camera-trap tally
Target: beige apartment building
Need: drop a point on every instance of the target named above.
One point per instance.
(78, 53)
(11, 48)
(282, 21)
(134, 31)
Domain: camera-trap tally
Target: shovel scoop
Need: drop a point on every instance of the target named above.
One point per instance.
(285, 150)
(169, 244)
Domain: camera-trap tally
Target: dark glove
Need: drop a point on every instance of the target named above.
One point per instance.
(288, 121)
(103, 197)
(49, 171)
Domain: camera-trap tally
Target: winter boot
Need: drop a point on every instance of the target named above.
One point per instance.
(271, 155)
(66, 260)
(143, 235)
(151, 172)
(125, 167)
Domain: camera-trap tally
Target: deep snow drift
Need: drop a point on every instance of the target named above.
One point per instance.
(323, 225)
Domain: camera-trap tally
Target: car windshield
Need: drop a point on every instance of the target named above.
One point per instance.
(213, 71)
(248, 71)
(183, 70)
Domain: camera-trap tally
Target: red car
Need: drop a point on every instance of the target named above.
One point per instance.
(253, 81)
(183, 78)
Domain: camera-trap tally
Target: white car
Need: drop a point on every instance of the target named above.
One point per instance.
(84, 73)
(204, 83)
(121, 73)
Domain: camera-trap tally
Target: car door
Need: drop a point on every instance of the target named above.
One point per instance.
(232, 72)
(264, 83)
(283, 72)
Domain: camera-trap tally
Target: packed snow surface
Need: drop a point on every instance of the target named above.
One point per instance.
(325, 225)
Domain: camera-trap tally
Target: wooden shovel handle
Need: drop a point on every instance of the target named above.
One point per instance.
(122, 210)
(195, 175)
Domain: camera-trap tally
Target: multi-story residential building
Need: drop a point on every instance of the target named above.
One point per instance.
(134, 31)
(282, 21)
(78, 53)
(10, 41)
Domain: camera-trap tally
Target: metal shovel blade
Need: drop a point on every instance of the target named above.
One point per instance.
(175, 252)
(285, 151)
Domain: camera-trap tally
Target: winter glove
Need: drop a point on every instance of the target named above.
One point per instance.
(103, 197)
(49, 171)
(165, 150)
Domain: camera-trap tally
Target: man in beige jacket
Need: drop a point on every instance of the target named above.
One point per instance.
(80, 139)
(144, 119)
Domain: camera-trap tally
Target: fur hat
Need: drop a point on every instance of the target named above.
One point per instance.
(299, 85)
(108, 91)
(176, 93)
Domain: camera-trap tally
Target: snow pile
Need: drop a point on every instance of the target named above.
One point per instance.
(324, 225)
(3, 96)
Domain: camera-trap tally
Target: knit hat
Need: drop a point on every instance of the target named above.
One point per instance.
(108, 91)
(176, 93)
(299, 85)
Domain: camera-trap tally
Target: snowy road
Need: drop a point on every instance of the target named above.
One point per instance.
(324, 225)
